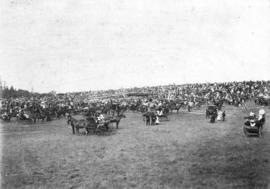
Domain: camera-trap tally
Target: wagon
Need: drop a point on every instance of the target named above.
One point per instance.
(101, 128)
(211, 112)
(262, 100)
(253, 127)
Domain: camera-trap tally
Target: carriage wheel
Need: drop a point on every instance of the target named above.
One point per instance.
(98, 131)
(101, 130)
(245, 131)
(260, 132)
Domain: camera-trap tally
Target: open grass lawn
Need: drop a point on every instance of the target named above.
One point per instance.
(185, 152)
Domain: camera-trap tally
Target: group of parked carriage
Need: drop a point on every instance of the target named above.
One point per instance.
(114, 113)
(34, 113)
(252, 126)
(46, 112)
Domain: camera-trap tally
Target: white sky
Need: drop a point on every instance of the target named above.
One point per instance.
(75, 45)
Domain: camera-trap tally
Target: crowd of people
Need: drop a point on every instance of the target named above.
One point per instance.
(188, 95)
(234, 93)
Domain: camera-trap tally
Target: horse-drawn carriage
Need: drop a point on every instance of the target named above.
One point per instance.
(94, 124)
(5, 116)
(253, 125)
(8, 114)
(211, 113)
(214, 113)
(262, 100)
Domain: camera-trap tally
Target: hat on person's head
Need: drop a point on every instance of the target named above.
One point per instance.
(261, 112)
(251, 114)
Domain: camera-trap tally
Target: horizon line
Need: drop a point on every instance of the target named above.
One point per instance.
(145, 86)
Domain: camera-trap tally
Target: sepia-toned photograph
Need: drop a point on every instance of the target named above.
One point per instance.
(143, 94)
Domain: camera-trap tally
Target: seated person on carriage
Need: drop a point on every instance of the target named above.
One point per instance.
(100, 119)
(5, 115)
(159, 111)
(253, 124)
(22, 115)
(251, 119)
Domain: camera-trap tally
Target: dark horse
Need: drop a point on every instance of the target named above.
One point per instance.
(150, 118)
(116, 119)
(175, 106)
(77, 124)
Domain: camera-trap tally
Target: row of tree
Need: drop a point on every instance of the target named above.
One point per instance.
(11, 92)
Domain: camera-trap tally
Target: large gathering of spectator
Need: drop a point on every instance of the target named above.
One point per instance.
(232, 93)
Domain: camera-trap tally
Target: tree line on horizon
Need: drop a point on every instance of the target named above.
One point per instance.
(11, 92)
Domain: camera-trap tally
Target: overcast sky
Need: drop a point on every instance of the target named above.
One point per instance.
(75, 45)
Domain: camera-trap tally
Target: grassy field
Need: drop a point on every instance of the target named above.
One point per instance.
(185, 152)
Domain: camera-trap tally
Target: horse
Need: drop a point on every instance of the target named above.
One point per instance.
(61, 111)
(175, 106)
(150, 118)
(73, 122)
(133, 107)
(78, 124)
(117, 119)
(39, 114)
